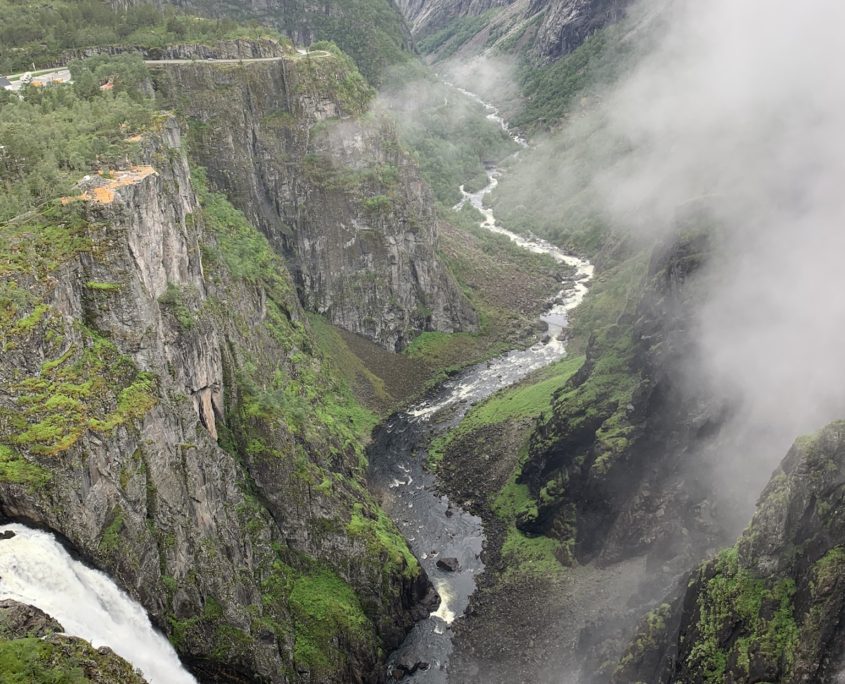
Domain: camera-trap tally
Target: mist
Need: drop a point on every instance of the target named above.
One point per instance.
(739, 106)
(742, 103)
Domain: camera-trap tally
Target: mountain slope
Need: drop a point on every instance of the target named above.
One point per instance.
(334, 192)
(164, 408)
(372, 32)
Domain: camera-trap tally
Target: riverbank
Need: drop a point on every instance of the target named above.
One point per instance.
(528, 616)
(445, 533)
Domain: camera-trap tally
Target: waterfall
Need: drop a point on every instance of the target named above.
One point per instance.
(35, 569)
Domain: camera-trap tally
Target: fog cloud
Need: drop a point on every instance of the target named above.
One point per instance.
(743, 104)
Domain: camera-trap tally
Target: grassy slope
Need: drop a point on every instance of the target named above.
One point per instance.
(507, 419)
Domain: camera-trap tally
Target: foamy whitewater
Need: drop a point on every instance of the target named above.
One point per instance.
(35, 569)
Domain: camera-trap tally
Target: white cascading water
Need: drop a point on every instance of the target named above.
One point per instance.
(35, 569)
(511, 367)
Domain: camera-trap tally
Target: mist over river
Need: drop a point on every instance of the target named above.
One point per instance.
(435, 527)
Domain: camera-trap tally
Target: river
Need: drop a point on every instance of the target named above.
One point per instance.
(36, 569)
(435, 527)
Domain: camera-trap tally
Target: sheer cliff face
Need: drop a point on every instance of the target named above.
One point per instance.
(138, 327)
(611, 466)
(335, 194)
(567, 23)
(372, 32)
(426, 16)
(769, 609)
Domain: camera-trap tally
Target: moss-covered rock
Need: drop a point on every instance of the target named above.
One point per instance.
(32, 649)
(769, 608)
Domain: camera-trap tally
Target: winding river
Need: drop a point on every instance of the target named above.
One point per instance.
(435, 527)
(36, 569)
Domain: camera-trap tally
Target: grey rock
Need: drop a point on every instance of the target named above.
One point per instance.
(335, 195)
(449, 564)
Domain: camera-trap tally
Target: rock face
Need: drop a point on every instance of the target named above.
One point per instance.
(426, 16)
(20, 621)
(30, 639)
(254, 48)
(548, 29)
(567, 23)
(608, 467)
(164, 409)
(335, 195)
(770, 608)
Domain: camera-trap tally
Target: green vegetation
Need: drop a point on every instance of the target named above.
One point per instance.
(175, 299)
(828, 568)
(35, 245)
(449, 39)
(60, 660)
(111, 539)
(54, 135)
(336, 77)
(349, 366)
(522, 555)
(372, 32)
(529, 399)
(15, 469)
(102, 287)
(757, 615)
(41, 33)
(647, 637)
(328, 622)
(23, 661)
(600, 404)
(525, 556)
(553, 90)
(448, 133)
(486, 267)
(324, 608)
(90, 386)
(445, 350)
(549, 191)
(613, 293)
(300, 397)
(383, 539)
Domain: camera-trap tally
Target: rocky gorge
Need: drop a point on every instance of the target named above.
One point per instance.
(147, 378)
(274, 410)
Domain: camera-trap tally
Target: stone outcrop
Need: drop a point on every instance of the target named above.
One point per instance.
(145, 321)
(567, 23)
(20, 621)
(28, 635)
(770, 608)
(335, 194)
(426, 16)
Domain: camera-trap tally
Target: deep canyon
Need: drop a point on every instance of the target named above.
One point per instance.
(368, 341)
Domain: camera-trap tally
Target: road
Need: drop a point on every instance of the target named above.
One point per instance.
(299, 55)
(45, 78)
(62, 75)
